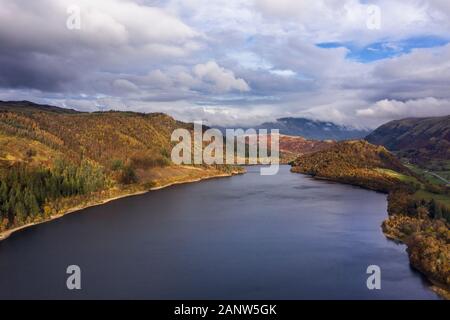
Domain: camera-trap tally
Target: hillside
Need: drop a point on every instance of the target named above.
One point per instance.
(420, 139)
(31, 107)
(53, 159)
(101, 137)
(419, 214)
(292, 147)
(355, 162)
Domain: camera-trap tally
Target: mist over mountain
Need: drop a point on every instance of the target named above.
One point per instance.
(312, 129)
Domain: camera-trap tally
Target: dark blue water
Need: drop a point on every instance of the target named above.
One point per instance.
(245, 237)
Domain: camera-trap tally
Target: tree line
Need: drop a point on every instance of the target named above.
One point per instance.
(24, 191)
(400, 202)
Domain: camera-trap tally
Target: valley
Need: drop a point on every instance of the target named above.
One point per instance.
(57, 161)
(54, 160)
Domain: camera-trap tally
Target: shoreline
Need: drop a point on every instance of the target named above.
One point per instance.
(7, 233)
(436, 287)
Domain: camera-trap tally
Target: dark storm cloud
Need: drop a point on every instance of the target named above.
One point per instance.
(227, 61)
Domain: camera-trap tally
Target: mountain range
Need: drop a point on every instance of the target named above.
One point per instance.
(314, 129)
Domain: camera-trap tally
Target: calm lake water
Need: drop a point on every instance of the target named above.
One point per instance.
(244, 237)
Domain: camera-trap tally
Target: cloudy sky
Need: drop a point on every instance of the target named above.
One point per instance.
(231, 62)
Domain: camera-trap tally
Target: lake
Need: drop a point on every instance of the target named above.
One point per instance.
(244, 237)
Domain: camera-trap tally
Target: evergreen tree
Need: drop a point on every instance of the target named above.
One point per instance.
(24, 191)
(20, 213)
(432, 208)
(438, 212)
(445, 213)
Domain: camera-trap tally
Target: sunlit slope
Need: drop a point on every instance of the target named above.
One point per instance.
(356, 162)
(37, 133)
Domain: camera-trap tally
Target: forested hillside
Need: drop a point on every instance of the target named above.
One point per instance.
(101, 137)
(49, 155)
(354, 162)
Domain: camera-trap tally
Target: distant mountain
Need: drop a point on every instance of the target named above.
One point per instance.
(416, 138)
(314, 129)
(29, 107)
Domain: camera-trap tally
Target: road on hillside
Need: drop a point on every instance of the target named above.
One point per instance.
(438, 176)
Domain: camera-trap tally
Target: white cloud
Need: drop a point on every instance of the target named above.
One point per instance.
(222, 80)
(119, 24)
(227, 60)
(283, 73)
(346, 20)
(392, 109)
(37, 49)
(125, 86)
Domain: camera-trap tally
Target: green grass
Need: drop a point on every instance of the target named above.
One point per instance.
(444, 174)
(427, 176)
(440, 198)
(400, 176)
(443, 199)
(426, 195)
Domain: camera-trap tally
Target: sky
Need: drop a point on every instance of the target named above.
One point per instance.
(231, 62)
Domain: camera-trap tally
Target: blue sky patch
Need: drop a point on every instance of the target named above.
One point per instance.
(385, 49)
